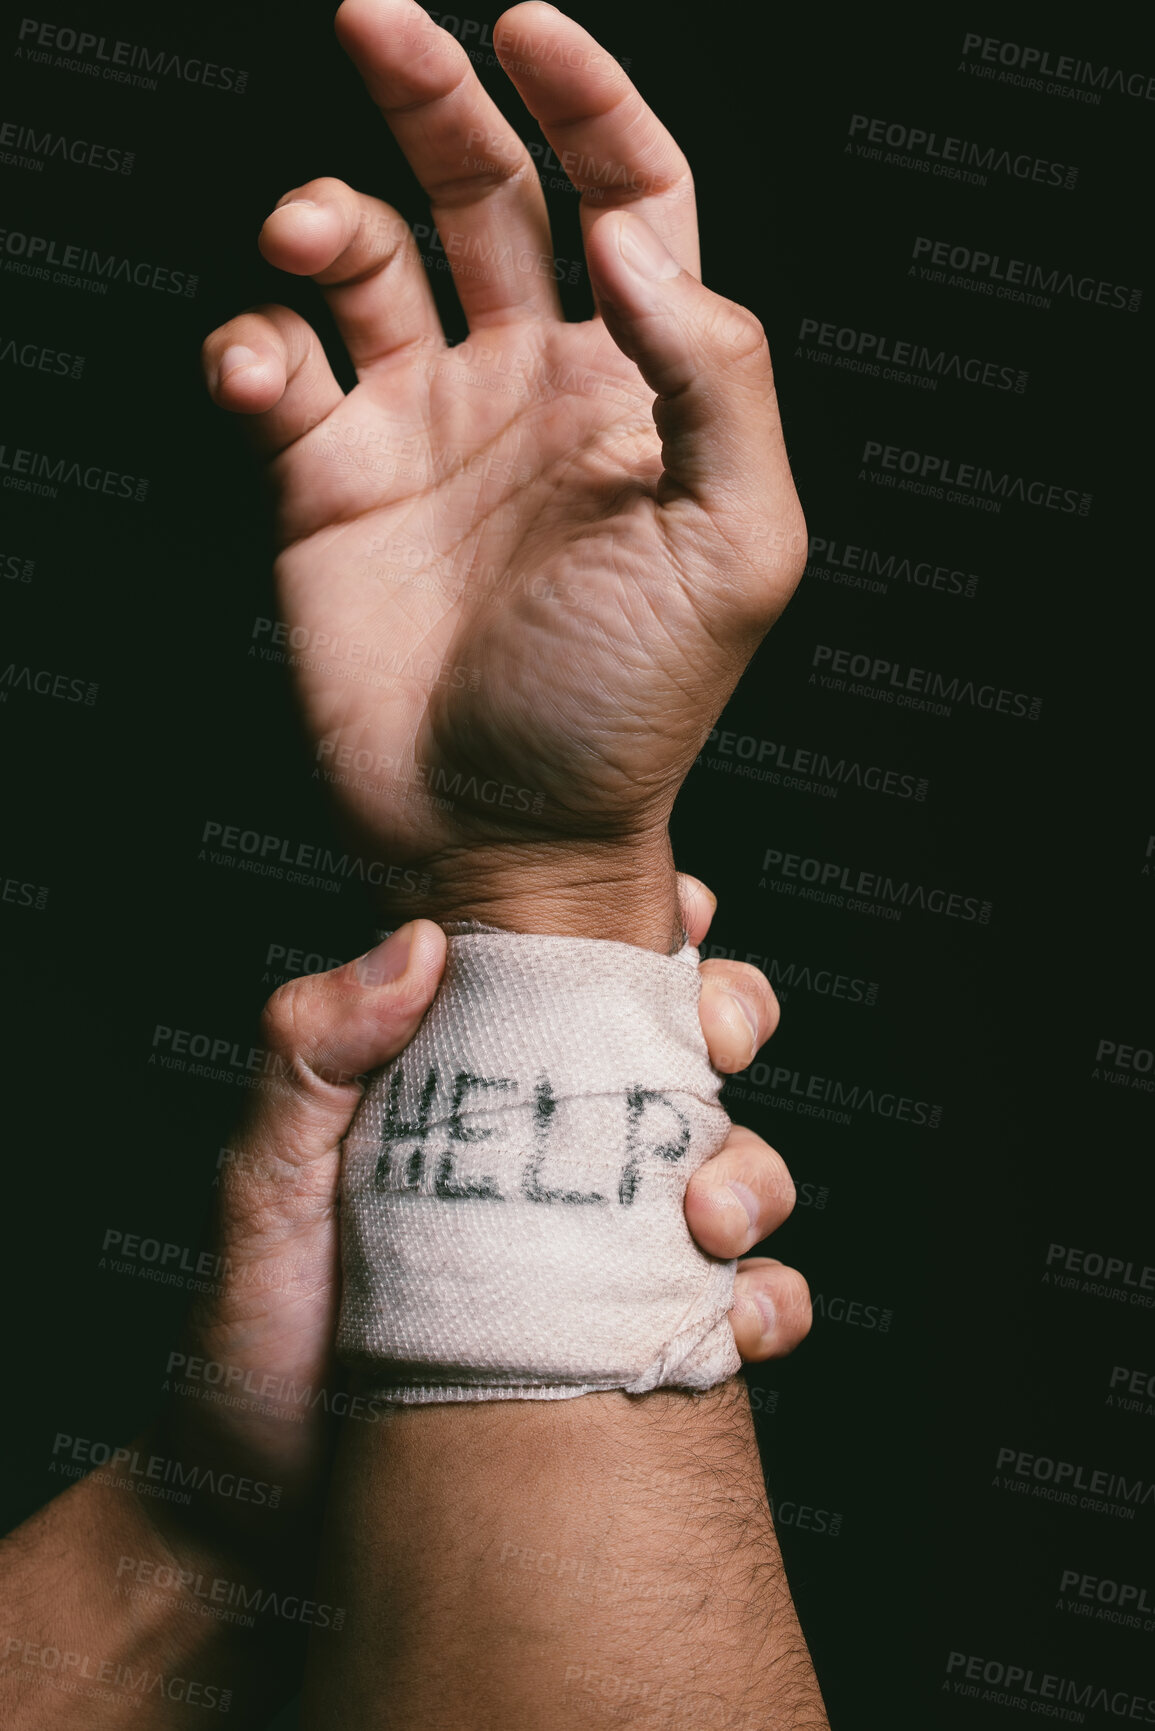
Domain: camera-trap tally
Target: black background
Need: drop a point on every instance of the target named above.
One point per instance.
(999, 1024)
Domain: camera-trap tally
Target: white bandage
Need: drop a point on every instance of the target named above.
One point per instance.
(512, 1187)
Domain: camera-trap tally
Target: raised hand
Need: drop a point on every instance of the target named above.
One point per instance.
(553, 580)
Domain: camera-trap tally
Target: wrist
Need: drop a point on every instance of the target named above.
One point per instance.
(622, 891)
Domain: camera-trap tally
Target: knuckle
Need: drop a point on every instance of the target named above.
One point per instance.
(749, 978)
(744, 978)
(746, 1145)
(696, 902)
(326, 186)
(675, 183)
(283, 1017)
(380, 231)
(739, 336)
(798, 538)
(219, 339)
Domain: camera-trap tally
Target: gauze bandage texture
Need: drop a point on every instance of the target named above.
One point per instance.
(512, 1184)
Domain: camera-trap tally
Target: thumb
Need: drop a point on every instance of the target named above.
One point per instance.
(708, 361)
(320, 1034)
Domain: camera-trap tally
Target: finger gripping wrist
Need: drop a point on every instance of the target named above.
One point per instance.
(512, 1187)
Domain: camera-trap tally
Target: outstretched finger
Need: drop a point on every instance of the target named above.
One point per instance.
(613, 147)
(363, 254)
(267, 363)
(486, 197)
(707, 362)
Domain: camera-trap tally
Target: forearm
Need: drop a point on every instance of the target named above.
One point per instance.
(511, 1566)
(505, 1560)
(110, 1619)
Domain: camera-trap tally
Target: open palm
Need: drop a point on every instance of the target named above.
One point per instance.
(520, 589)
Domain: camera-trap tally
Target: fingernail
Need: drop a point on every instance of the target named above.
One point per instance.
(749, 1016)
(644, 253)
(388, 962)
(284, 203)
(748, 1200)
(234, 359)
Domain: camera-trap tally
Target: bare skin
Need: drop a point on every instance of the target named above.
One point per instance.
(593, 525)
(601, 565)
(105, 1589)
(593, 571)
